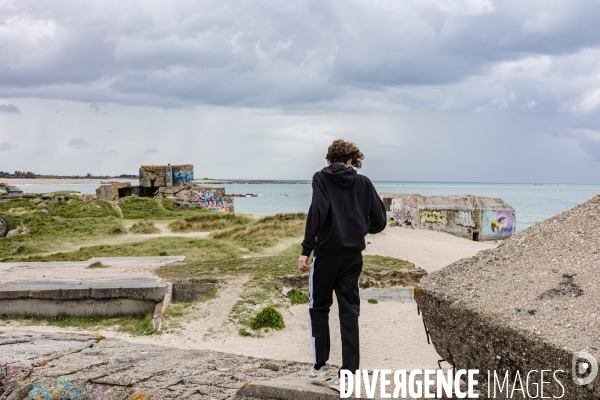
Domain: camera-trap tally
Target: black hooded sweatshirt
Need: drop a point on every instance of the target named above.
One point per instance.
(345, 207)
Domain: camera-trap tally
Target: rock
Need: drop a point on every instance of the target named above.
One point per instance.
(2, 228)
(530, 304)
(19, 230)
(47, 365)
(47, 196)
(185, 194)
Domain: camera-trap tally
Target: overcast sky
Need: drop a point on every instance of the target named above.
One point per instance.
(434, 90)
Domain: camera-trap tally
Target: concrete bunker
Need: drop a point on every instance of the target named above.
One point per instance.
(471, 217)
(170, 181)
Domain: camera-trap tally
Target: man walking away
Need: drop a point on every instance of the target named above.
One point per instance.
(345, 207)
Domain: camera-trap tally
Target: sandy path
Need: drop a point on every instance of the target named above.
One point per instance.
(426, 249)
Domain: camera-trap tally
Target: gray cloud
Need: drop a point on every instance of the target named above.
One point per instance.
(78, 143)
(473, 60)
(9, 109)
(7, 146)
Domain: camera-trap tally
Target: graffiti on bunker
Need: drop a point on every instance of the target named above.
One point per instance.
(498, 223)
(210, 201)
(465, 218)
(434, 217)
(184, 175)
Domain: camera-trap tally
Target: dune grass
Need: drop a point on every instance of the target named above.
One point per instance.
(194, 249)
(149, 208)
(144, 227)
(209, 222)
(265, 232)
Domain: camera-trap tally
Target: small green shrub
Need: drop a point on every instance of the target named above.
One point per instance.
(244, 332)
(117, 230)
(297, 296)
(366, 285)
(271, 366)
(268, 317)
(372, 301)
(98, 264)
(144, 227)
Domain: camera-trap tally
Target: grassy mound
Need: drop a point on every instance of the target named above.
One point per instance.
(144, 227)
(266, 231)
(83, 209)
(208, 222)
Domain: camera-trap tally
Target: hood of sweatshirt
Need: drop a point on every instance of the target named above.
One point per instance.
(340, 175)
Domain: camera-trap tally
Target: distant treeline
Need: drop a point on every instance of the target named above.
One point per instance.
(31, 175)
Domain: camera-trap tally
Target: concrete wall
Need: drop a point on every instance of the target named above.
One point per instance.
(166, 175)
(156, 176)
(471, 217)
(111, 192)
(52, 308)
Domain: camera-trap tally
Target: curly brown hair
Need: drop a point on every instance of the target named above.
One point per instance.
(341, 151)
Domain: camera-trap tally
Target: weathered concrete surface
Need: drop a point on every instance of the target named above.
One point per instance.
(107, 297)
(7, 266)
(530, 304)
(188, 292)
(80, 308)
(110, 369)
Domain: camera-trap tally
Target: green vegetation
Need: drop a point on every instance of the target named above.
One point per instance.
(244, 332)
(194, 249)
(208, 222)
(268, 317)
(134, 324)
(144, 227)
(372, 301)
(97, 264)
(297, 296)
(148, 208)
(266, 231)
(83, 209)
(271, 366)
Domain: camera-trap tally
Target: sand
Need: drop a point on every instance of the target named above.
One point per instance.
(392, 333)
(426, 249)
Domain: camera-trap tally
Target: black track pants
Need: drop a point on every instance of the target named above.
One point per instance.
(327, 275)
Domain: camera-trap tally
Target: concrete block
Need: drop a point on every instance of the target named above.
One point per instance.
(74, 297)
(188, 292)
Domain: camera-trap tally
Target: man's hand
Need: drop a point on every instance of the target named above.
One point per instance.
(303, 263)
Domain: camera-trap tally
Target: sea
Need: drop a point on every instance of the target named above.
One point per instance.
(532, 202)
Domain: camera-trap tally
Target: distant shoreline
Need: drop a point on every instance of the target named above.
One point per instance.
(87, 181)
